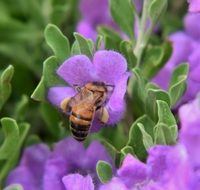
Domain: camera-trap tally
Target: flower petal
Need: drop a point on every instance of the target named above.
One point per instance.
(195, 65)
(194, 6)
(192, 25)
(156, 163)
(31, 168)
(189, 115)
(183, 46)
(23, 176)
(190, 131)
(96, 152)
(132, 171)
(34, 158)
(62, 162)
(77, 70)
(55, 169)
(114, 184)
(57, 94)
(110, 66)
(86, 30)
(78, 182)
(93, 14)
(179, 174)
(69, 149)
(116, 103)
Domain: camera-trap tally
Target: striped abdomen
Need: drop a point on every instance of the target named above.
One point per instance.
(80, 122)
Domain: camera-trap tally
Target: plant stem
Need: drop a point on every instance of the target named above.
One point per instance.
(142, 37)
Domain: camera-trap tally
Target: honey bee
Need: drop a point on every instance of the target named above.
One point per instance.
(89, 100)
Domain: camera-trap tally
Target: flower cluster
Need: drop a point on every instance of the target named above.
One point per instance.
(68, 166)
(167, 167)
(108, 67)
(186, 49)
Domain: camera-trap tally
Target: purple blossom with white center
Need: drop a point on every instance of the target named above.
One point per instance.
(167, 167)
(186, 48)
(95, 13)
(69, 166)
(108, 67)
(194, 5)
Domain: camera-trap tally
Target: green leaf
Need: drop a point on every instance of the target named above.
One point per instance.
(127, 150)
(164, 114)
(39, 93)
(111, 38)
(5, 86)
(178, 83)
(21, 108)
(75, 50)
(126, 49)
(99, 41)
(155, 57)
(50, 67)
(139, 92)
(10, 150)
(14, 187)
(11, 133)
(114, 136)
(51, 118)
(159, 135)
(166, 130)
(104, 171)
(157, 8)
(146, 138)
(123, 14)
(85, 45)
(135, 139)
(58, 42)
(164, 134)
(151, 105)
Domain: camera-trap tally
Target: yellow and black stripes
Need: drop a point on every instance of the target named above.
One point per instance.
(80, 126)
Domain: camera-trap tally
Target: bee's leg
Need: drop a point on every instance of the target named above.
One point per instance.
(77, 87)
(64, 104)
(104, 115)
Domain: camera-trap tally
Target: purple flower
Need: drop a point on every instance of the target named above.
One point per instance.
(167, 167)
(192, 26)
(186, 48)
(194, 5)
(69, 166)
(190, 133)
(95, 13)
(108, 67)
